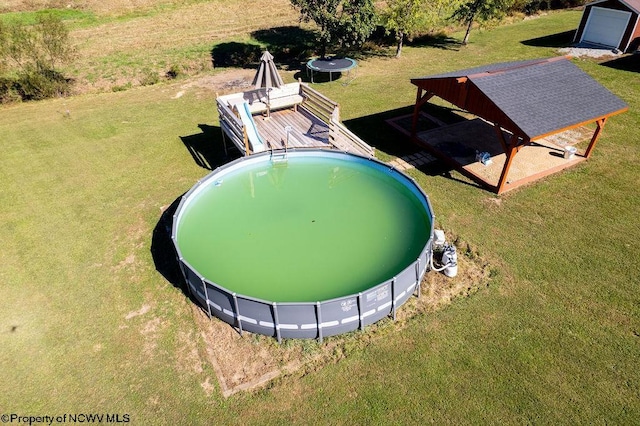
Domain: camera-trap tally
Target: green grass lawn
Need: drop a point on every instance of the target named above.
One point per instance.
(87, 323)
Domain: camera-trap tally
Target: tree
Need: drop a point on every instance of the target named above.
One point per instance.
(4, 42)
(55, 47)
(31, 55)
(343, 22)
(405, 18)
(481, 11)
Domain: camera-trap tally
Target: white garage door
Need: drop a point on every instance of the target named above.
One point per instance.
(606, 26)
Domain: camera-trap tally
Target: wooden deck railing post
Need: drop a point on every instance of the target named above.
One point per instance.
(335, 115)
(247, 151)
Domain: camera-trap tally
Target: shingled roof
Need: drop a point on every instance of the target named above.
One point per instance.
(530, 98)
(631, 4)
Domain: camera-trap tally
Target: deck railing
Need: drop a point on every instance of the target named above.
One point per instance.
(319, 105)
(232, 126)
(345, 140)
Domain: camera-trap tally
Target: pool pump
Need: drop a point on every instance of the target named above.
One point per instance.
(449, 259)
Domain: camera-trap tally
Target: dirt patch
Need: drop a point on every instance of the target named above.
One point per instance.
(188, 359)
(590, 52)
(150, 332)
(492, 202)
(234, 80)
(143, 310)
(243, 362)
(252, 361)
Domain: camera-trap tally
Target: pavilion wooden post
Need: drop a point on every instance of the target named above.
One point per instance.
(420, 100)
(416, 111)
(600, 123)
(511, 152)
(501, 138)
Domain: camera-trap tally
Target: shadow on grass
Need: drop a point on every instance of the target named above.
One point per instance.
(234, 54)
(436, 41)
(291, 46)
(563, 39)
(164, 252)
(304, 75)
(625, 63)
(207, 147)
(208, 152)
(376, 131)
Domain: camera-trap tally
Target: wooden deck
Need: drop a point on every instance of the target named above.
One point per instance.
(307, 131)
(313, 122)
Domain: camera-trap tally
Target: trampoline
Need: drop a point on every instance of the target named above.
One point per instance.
(331, 65)
(304, 243)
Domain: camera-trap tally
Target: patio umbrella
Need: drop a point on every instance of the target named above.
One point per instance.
(267, 75)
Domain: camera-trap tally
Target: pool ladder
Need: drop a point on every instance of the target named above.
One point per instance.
(280, 156)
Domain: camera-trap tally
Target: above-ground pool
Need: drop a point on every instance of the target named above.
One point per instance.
(303, 244)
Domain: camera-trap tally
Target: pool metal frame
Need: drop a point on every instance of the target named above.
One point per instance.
(314, 320)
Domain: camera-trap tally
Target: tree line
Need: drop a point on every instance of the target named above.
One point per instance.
(346, 23)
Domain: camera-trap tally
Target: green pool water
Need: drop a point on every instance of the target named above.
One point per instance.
(307, 230)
